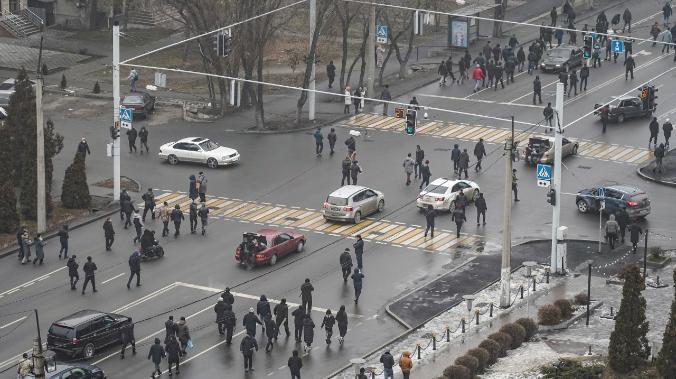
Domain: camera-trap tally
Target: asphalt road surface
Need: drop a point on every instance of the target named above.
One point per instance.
(281, 182)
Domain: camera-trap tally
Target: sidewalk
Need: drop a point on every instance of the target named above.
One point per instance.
(668, 174)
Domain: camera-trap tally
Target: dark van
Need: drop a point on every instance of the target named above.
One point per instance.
(83, 333)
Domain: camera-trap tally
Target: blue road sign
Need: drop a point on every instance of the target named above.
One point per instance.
(601, 192)
(618, 46)
(544, 172)
(126, 114)
(381, 30)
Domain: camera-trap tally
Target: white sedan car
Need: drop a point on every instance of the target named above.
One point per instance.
(199, 150)
(441, 193)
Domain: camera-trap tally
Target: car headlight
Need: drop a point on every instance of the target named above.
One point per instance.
(224, 158)
(558, 65)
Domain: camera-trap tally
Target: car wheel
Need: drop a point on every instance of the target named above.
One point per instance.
(381, 205)
(582, 206)
(575, 150)
(475, 195)
(172, 159)
(212, 163)
(451, 208)
(620, 118)
(357, 217)
(300, 247)
(273, 260)
(88, 351)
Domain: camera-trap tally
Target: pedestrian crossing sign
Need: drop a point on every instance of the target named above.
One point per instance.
(618, 46)
(544, 172)
(126, 114)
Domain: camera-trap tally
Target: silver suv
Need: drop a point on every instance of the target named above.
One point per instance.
(351, 203)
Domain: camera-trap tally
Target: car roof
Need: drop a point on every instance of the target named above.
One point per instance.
(80, 317)
(443, 182)
(626, 188)
(347, 191)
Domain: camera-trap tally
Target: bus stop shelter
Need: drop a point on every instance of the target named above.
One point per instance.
(463, 30)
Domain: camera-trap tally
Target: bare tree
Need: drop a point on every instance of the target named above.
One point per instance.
(499, 14)
(403, 18)
(346, 12)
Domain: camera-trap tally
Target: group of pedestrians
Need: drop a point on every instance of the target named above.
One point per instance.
(25, 243)
(177, 343)
(353, 98)
(617, 225)
(142, 135)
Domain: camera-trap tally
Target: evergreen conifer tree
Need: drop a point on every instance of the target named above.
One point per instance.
(666, 360)
(75, 190)
(9, 218)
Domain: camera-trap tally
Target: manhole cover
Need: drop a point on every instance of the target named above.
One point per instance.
(291, 219)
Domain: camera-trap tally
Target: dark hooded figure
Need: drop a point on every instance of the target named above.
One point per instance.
(229, 321)
(308, 332)
(298, 316)
(177, 217)
(327, 323)
(357, 279)
(306, 295)
(281, 312)
(227, 297)
(192, 187)
(263, 309)
(635, 232)
(219, 309)
(249, 321)
(156, 354)
(270, 331)
(341, 319)
(173, 350)
(247, 347)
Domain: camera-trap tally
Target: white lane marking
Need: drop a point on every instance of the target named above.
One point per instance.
(13, 322)
(111, 279)
(145, 298)
(28, 283)
(477, 100)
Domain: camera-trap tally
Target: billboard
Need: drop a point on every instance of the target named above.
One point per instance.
(459, 33)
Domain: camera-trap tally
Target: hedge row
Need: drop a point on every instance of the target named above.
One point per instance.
(552, 314)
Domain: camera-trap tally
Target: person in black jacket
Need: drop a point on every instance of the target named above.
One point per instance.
(430, 214)
(127, 338)
(229, 321)
(247, 347)
(298, 316)
(425, 173)
(537, 89)
(143, 135)
(134, 268)
(327, 324)
(156, 353)
(622, 219)
(138, 227)
(249, 322)
(63, 240)
(109, 233)
(124, 196)
(573, 82)
(341, 319)
(306, 295)
(281, 312)
(263, 309)
(72, 271)
(83, 148)
(629, 65)
(170, 329)
(357, 281)
(219, 308)
(481, 208)
(479, 153)
(388, 363)
(308, 332)
(193, 217)
(173, 350)
(331, 73)
(419, 158)
(654, 128)
(295, 364)
(127, 209)
(634, 235)
(584, 75)
(359, 251)
(149, 204)
(345, 170)
(498, 72)
(270, 332)
(89, 268)
(227, 297)
(346, 264)
(131, 136)
(177, 217)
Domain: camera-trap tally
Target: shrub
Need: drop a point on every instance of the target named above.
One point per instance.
(97, 87)
(549, 315)
(75, 190)
(581, 298)
(655, 252)
(493, 348)
(529, 325)
(64, 83)
(566, 368)
(517, 332)
(565, 307)
(482, 356)
(504, 340)
(470, 362)
(456, 372)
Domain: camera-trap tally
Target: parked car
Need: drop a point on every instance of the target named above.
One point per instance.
(540, 149)
(142, 104)
(62, 370)
(562, 57)
(441, 193)
(83, 333)
(616, 197)
(7, 88)
(199, 150)
(625, 108)
(266, 246)
(351, 203)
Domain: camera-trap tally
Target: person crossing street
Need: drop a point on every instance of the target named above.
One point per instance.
(173, 351)
(463, 164)
(654, 128)
(192, 212)
(479, 153)
(306, 295)
(72, 271)
(165, 215)
(131, 137)
(298, 316)
(327, 323)
(281, 312)
(319, 142)
(143, 136)
(346, 264)
(149, 204)
(667, 128)
(629, 65)
(247, 347)
(203, 214)
(537, 89)
(425, 174)
(295, 364)
(409, 167)
(341, 319)
(177, 217)
(109, 233)
(134, 268)
(156, 354)
(219, 309)
(584, 75)
(430, 215)
(358, 246)
(481, 208)
(357, 282)
(89, 269)
(419, 158)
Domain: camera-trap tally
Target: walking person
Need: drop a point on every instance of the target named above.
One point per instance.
(165, 214)
(635, 232)
(156, 354)
(134, 268)
(39, 244)
(124, 197)
(127, 338)
(298, 316)
(345, 264)
(553, 14)
(355, 170)
(203, 214)
(202, 186)
(520, 58)
(356, 100)
(667, 128)
(143, 135)
(148, 204)
(498, 72)
(629, 65)
(131, 138)
(331, 73)
(425, 174)
(622, 219)
(26, 242)
(138, 227)
(19, 241)
(419, 158)
(25, 367)
(666, 38)
(177, 217)
(341, 319)
(183, 334)
(345, 170)
(442, 72)
(584, 74)
(281, 312)
(659, 156)
(357, 282)
(430, 215)
(347, 100)
(463, 163)
(406, 364)
(63, 241)
(319, 142)
(358, 246)
(573, 82)
(308, 332)
(89, 269)
(455, 157)
(537, 89)
(173, 351)
(133, 78)
(332, 140)
(170, 329)
(481, 208)
(109, 233)
(229, 322)
(626, 18)
(612, 227)
(409, 167)
(459, 218)
(362, 97)
(515, 185)
(72, 271)
(249, 322)
(128, 210)
(192, 187)
(388, 363)
(306, 295)
(227, 297)
(295, 364)
(327, 323)
(477, 76)
(449, 69)
(219, 309)
(83, 148)
(192, 214)
(270, 330)
(666, 12)
(247, 347)
(654, 128)
(479, 153)
(605, 115)
(263, 309)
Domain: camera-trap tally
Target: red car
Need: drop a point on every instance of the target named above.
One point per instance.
(268, 245)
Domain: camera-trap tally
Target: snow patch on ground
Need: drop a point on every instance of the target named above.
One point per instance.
(524, 362)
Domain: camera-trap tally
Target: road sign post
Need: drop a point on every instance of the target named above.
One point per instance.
(555, 261)
(617, 46)
(116, 110)
(126, 117)
(544, 175)
(381, 33)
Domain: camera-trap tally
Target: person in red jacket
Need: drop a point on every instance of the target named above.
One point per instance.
(477, 76)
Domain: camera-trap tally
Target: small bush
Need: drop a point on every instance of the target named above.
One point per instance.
(549, 315)
(482, 356)
(44, 69)
(456, 372)
(493, 348)
(97, 87)
(566, 368)
(581, 298)
(470, 362)
(529, 325)
(504, 340)
(565, 307)
(655, 252)
(64, 83)
(517, 332)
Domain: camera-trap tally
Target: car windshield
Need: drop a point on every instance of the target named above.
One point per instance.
(208, 145)
(639, 197)
(133, 99)
(62, 331)
(6, 86)
(558, 53)
(333, 200)
(436, 189)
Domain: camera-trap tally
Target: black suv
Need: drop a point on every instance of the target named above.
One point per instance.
(561, 58)
(84, 332)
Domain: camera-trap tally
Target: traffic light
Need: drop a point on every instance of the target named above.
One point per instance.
(410, 122)
(551, 197)
(223, 44)
(114, 133)
(587, 49)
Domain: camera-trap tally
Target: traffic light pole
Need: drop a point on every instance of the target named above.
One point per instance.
(506, 267)
(555, 262)
(311, 87)
(116, 110)
(40, 140)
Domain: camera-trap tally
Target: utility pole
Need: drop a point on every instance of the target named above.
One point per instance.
(38, 359)
(371, 52)
(506, 268)
(589, 267)
(555, 261)
(116, 110)
(311, 95)
(40, 140)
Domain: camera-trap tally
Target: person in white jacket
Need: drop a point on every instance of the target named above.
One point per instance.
(362, 92)
(348, 100)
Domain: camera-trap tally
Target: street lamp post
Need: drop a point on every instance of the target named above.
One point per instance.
(116, 110)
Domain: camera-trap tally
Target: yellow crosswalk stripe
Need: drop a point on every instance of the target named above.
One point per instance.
(426, 126)
(439, 240)
(641, 156)
(266, 213)
(236, 208)
(451, 130)
(412, 241)
(607, 152)
(363, 231)
(275, 214)
(377, 230)
(396, 229)
(354, 228)
(403, 235)
(620, 155)
(387, 123)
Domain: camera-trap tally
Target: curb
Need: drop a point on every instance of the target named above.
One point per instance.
(646, 177)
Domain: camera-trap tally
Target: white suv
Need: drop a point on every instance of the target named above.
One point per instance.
(441, 193)
(351, 203)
